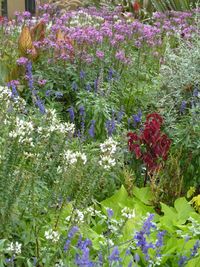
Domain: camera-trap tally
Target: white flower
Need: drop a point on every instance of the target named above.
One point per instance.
(52, 235)
(109, 146)
(107, 162)
(71, 157)
(15, 248)
(128, 213)
(78, 216)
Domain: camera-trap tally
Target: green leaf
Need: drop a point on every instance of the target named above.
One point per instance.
(183, 209)
(117, 201)
(194, 262)
(169, 218)
(143, 194)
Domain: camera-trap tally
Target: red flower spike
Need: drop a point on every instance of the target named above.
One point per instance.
(136, 6)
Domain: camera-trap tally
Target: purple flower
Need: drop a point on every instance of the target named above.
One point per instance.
(88, 87)
(110, 212)
(110, 74)
(137, 257)
(140, 236)
(82, 74)
(100, 257)
(26, 14)
(183, 106)
(120, 116)
(73, 231)
(13, 84)
(67, 244)
(160, 235)
(84, 259)
(71, 234)
(194, 250)
(71, 114)
(148, 224)
(114, 256)
(39, 103)
(137, 118)
(182, 261)
(100, 54)
(29, 74)
(22, 61)
(82, 111)
(110, 126)
(42, 82)
(58, 94)
(48, 93)
(74, 86)
(91, 130)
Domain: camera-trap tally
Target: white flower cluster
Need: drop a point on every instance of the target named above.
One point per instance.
(78, 216)
(23, 131)
(14, 248)
(17, 103)
(128, 213)
(108, 148)
(71, 157)
(195, 227)
(82, 18)
(54, 125)
(52, 235)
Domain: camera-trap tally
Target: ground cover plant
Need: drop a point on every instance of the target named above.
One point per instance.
(99, 146)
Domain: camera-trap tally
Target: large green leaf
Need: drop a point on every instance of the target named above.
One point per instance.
(143, 194)
(118, 201)
(194, 262)
(183, 209)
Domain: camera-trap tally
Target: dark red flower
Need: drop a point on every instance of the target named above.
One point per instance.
(156, 117)
(156, 145)
(136, 6)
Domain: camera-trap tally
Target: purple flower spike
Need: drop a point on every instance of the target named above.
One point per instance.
(114, 256)
(71, 114)
(110, 212)
(91, 130)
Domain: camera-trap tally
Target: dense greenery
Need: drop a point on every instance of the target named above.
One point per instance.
(100, 138)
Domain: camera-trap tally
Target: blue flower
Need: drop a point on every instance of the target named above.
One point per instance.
(183, 106)
(58, 94)
(84, 259)
(160, 237)
(73, 231)
(71, 113)
(48, 93)
(110, 126)
(110, 212)
(88, 87)
(82, 74)
(74, 86)
(182, 261)
(110, 74)
(114, 256)
(39, 103)
(82, 111)
(137, 118)
(194, 250)
(91, 130)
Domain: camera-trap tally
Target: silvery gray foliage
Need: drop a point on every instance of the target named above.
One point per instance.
(181, 66)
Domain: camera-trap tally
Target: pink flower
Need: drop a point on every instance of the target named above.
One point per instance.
(42, 82)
